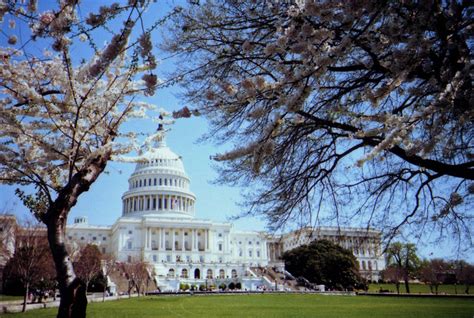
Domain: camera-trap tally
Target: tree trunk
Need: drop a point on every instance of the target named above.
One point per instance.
(397, 285)
(407, 285)
(73, 303)
(25, 297)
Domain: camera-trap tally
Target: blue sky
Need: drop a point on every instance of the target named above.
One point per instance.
(102, 204)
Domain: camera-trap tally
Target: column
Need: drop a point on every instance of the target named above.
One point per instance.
(158, 239)
(145, 243)
(162, 236)
(205, 240)
(193, 233)
(149, 237)
(172, 239)
(182, 240)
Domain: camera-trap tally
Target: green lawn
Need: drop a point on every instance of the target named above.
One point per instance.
(419, 288)
(8, 298)
(279, 305)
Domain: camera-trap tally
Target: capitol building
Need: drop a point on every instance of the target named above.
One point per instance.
(159, 225)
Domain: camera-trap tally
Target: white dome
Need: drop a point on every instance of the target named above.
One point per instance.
(161, 157)
(159, 186)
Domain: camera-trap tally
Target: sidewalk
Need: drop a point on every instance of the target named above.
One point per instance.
(17, 305)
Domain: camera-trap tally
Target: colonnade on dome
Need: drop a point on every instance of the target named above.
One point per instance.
(158, 203)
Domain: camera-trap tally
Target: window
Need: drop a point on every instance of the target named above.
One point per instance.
(166, 181)
(221, 273)
(154, 258)
(184, 273)
(258, 253)
(220, 247)
(82, 238)
(209, 274)
(234, 273)
(250, 242)
(94, 238)
(220, 235)
(129, 245)
(154, 181)
(171, 273)
(104, 239)
(168, 259)
(140, 183)
(160, 181)
(130, 232)
(250, 253)
(129, 258)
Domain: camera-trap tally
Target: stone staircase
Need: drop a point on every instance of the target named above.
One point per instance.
(278, 280)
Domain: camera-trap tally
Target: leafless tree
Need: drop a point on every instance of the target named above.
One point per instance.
(393, 274)
(138, 275)
(354, 113)
(108, 264)
(433, 272)
(32, 259)
(88, 265)
(465, 274)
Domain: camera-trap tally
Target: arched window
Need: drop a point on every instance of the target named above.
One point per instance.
(184, 273)
(369, 263)
(221, 273)
(363, 265)
(171, 272)
(197, 273)
(209, 274)
(234, 273)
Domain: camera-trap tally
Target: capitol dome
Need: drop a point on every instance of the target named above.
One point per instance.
(159, 186)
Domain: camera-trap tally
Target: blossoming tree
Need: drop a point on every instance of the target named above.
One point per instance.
(359, 112)
(61, 110)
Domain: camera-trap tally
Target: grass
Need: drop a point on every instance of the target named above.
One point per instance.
(8, 297)
(276, 305)
(418, 288)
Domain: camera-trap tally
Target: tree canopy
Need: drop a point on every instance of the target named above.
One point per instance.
(323, 262)
(403, 257)
(338, 110)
